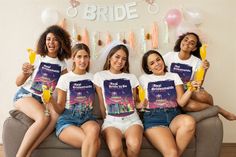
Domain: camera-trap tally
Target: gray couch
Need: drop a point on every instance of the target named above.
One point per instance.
(206, 143)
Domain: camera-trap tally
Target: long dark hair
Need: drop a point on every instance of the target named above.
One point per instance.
(78, 47)
(196, 53)
(64, 40)
(145, 61)
(107, 65)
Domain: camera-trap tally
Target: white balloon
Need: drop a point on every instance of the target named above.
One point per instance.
(185, 27)
(49, 16)
(193, 15)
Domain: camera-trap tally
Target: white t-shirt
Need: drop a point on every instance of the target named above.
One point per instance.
(117, 90)
(160, 90)
(80, 90)
(47, 71)
(185, 68)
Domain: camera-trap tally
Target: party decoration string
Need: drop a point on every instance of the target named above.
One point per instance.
(85, 37)
(131, 40)
(143, 41)
(62, 23)
(154, 36)
(108, 38)
(166, 33)
(94, 45)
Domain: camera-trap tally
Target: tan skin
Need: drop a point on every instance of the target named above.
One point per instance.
(43, 125)
(113, 136)
(182, 126)
(86, 136)
(200, 99)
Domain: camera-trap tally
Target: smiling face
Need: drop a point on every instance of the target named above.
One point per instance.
(52, 44)
(188, 44)
(117, 61)
(155, 64)
(81, 60)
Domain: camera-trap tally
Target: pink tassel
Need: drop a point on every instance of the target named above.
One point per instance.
(108, 38)
(62, 23)
(85, 37)
(154, 36)
(131, 40)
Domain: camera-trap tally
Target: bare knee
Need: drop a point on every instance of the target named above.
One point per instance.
(41, 119)
(116, 150)
(94, 131)
(203, 96)
(171, 152)
(133, 145)
(93, 135)
(189, 123)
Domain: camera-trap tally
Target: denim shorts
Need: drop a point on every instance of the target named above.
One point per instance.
(159, 117)
(121, 123)
(73, 117)
(21, 93)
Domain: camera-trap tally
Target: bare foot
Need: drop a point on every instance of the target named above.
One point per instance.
(228, 115)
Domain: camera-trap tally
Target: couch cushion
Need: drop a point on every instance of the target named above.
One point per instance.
(21, 117)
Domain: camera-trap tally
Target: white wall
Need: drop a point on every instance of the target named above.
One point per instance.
(20, 26)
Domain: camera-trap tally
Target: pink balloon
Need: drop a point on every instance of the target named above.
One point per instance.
(173, 17)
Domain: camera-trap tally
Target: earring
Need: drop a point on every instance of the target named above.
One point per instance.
(45, 48)
(61, 52)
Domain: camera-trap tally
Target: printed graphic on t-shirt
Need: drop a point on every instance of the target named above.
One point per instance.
(183, 70)
(118, 97)
(161, 94)
(48, 74)
(81, 95)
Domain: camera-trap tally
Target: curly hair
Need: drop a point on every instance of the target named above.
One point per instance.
(107, 65)
(64, 40)
(145, 61)
(78, 47)
(196, 53)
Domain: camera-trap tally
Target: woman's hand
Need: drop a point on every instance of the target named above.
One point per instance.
(195, 85)
(205, 64)
(27, 69)
(142, 105)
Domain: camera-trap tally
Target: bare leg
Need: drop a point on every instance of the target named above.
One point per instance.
(202, 100)
(228, 115)
(91, 143)
(35, 111)
(73, 136)
(199, 101)
(163, 140)
(113, 138)
(50, 127)
(133, 136)
(203, 96)
(183, 127)
(194, 106)
(85, 137)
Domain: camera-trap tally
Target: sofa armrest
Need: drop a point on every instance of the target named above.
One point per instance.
(22, 117)
(13, 133)
(209, 136)
(204, 114)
